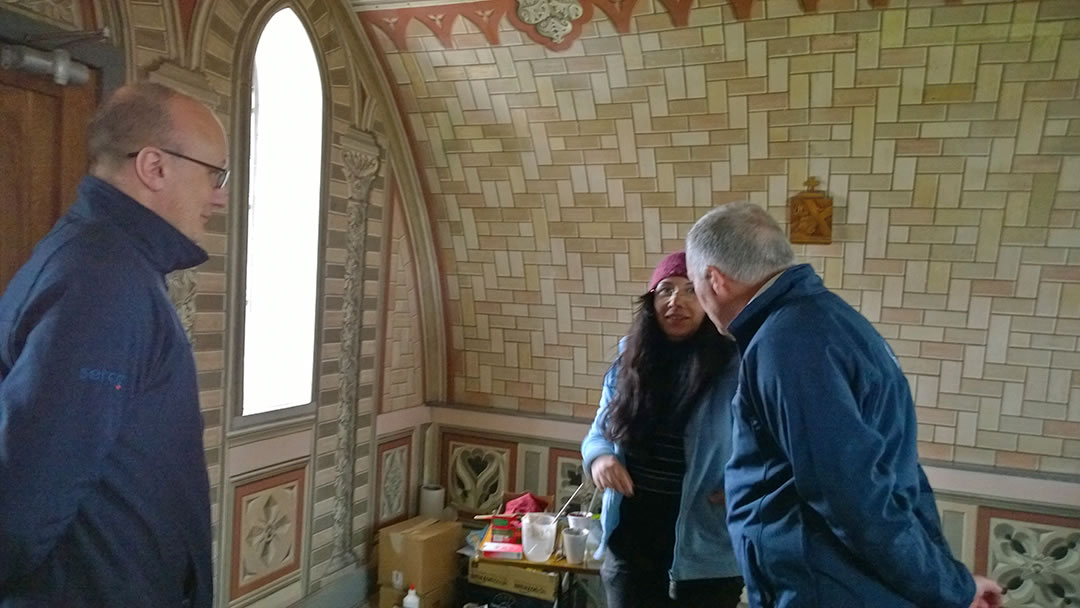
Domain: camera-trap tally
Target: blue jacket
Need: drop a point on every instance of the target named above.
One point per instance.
(827, 503)
(104, 497)
(702, 545)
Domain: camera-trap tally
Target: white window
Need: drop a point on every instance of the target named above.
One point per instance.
(284, 204)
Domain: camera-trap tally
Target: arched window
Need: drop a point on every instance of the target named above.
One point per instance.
(284, 208)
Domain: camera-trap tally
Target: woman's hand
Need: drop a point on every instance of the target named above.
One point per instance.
(608, 472)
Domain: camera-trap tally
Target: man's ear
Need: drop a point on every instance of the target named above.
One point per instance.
(718, 281)
(150, 169)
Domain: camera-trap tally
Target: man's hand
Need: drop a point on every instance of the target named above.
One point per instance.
(987, 593)
(608, 472)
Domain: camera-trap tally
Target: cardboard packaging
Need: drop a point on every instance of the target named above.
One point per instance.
(517, 580)
(443, 597)
(496, 598)
(423, 550)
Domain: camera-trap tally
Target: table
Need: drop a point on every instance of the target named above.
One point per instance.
(557, 563)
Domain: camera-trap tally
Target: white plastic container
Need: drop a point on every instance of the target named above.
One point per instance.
(411, 599)
(538, 536)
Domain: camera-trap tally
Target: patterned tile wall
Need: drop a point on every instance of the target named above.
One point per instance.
(403, 378)
(216, 59)
(947, 133)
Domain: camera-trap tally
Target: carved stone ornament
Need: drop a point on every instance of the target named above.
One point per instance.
(479, 475)
(1038, 564)
(361, 169)
(811, 216)
(552, 18)
(67, 12)
(182, 293)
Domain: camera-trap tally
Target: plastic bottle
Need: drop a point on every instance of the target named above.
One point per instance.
(411, 599)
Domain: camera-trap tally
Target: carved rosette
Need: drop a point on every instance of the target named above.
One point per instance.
(182, 293)
(552, 18)
(361, 169)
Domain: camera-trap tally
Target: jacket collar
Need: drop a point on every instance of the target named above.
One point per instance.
(796, 280)
(165, 247)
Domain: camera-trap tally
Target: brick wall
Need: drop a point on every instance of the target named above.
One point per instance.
(948, 135)
(403, 378)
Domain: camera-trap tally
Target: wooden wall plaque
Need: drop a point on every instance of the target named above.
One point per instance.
(811, 216)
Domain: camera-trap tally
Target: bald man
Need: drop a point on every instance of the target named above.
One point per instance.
(104, 499)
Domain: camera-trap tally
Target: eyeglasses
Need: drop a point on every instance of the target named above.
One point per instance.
(222, 172)
(666, 291)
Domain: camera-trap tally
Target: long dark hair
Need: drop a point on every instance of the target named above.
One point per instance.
(639, 389)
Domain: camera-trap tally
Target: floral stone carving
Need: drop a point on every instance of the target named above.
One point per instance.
(1036, 561)
(552, 18)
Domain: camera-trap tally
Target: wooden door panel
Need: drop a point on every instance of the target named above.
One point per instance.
(42, 158)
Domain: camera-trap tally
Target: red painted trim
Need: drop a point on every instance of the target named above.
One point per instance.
(743, 8)
(619, 11)
(809, 6)
(486, 16)
(441, 23)
(89, 14)
(392, 23)
(982, 530)
(679, 10)
(384, 447)
(187, 12)
(395, 91)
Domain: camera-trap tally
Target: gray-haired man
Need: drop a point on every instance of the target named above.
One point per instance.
(827, 503)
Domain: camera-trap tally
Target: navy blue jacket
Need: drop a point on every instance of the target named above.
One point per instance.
(827, 503)
(104, 497)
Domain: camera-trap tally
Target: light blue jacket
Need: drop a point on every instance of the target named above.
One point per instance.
(702, 545)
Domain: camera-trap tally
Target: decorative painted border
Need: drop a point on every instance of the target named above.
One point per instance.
(486, 15)
(982, 533)
(384, 447)
(241, 492)
(448, 439)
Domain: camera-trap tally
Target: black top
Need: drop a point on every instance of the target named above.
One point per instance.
(656, 464)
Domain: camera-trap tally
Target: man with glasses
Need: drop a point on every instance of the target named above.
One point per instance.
(104, 499)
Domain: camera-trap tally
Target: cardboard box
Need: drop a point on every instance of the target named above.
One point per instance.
(443, 597)
(515, 579)
(423, 550)
(497, 598)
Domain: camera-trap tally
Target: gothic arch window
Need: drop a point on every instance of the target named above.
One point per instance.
(285, 193)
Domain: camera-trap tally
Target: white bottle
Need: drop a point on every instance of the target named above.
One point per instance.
(411, 599)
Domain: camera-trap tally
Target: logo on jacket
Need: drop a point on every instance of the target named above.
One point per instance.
(103, 376)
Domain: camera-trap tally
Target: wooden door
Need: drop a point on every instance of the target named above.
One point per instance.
(42, 158)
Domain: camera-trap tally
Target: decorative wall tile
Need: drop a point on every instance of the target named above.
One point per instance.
(477, 471)
(268, 521)
(1035, 557)
(394, 480)
(565, 475)
(558, 179)
(532, 469)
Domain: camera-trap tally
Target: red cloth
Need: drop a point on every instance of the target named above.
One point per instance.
(526, 503)
(674, 265)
